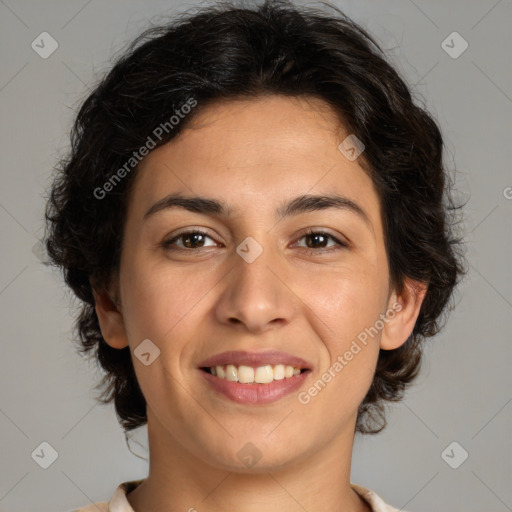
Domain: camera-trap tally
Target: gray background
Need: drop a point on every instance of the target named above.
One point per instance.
(463, 393)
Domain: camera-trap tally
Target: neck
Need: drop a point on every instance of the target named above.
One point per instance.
(178, 480)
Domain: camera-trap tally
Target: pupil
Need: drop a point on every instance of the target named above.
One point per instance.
(316, 236)
(189, 237)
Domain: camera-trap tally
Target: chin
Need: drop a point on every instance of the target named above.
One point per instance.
(252, 457)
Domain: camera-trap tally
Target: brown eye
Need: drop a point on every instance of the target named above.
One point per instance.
(318, 239)
(191, 240)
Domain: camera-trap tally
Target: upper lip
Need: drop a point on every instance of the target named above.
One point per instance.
(240, 357)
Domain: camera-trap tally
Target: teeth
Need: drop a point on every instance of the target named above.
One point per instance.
(231, 373)
(249, 375)
(264, 374)
(245, 374)
(279, 372)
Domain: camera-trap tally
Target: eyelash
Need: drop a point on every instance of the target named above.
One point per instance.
(168, 243)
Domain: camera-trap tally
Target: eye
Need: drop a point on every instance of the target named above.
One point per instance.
(191, 239)
(318, 239)
(195, 240)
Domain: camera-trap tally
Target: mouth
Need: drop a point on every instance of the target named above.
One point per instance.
(254, 378)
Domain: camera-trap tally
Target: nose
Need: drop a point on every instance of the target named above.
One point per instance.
(257, 296)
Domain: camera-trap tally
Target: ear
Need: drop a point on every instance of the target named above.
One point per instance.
(406, 308)
(110, 318)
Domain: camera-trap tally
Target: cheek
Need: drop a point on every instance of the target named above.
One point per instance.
(345, 307)
(347, 302)
(345, 311)
(157, 299)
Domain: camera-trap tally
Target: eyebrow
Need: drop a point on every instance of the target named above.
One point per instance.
(301, 204)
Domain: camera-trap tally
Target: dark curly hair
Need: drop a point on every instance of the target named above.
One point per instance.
(228, 51)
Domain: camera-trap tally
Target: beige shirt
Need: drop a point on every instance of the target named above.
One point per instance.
(119, 503)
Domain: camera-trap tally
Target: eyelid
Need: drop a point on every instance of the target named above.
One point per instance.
(340, 241)
(186, 231)
(325, 231)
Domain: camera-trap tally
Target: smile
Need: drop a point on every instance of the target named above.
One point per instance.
(254, 378)
(248, 374)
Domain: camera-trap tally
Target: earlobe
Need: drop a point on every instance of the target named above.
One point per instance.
(406, 306)
(110, 319)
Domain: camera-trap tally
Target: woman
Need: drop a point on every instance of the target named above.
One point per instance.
(256, 218)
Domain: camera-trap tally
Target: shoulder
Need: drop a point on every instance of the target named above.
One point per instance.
(117, 503)
(376, 503)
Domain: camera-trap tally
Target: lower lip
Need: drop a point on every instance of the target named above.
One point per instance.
(255, 393)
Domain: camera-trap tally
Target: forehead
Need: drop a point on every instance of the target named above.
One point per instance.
(255, 153)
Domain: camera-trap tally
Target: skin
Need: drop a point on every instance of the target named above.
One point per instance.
(206, 299)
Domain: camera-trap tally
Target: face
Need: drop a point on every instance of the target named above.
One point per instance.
(243, 283)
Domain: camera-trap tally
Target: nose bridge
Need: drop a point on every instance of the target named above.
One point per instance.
(255, 294)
